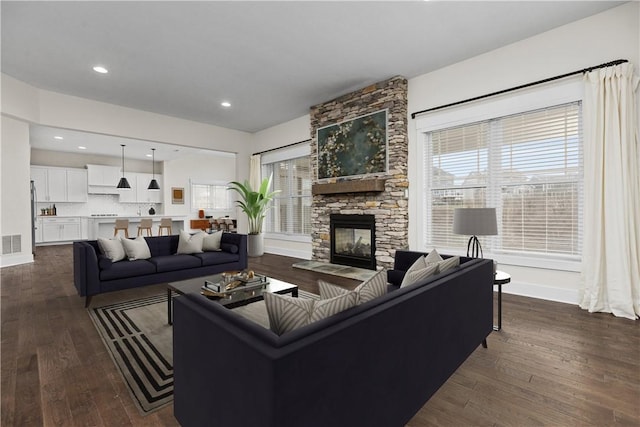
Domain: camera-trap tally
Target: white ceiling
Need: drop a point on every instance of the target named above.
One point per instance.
(271, 60)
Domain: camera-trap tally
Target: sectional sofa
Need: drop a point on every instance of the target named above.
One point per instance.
(94, 273)
(375, 364)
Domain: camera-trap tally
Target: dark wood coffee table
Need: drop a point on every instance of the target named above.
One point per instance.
(234, 299)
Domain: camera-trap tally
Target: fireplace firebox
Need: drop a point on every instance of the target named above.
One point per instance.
(353, 240)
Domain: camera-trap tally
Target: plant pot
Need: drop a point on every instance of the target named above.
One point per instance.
(255, 245)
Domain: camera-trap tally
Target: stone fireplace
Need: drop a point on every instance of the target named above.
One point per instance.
(353, 240)
(381, 196)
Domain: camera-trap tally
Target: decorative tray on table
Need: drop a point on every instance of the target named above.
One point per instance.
(233, 282)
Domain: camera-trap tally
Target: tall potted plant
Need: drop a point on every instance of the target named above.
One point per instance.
(255, 204)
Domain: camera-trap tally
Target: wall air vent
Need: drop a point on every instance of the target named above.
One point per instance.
(11, 244)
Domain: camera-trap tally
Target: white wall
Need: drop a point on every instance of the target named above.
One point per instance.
(295, 130)
(601, 38)
(15, 208)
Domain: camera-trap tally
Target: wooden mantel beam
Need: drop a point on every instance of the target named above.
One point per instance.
(355, 186)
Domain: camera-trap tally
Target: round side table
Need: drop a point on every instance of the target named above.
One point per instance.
(499, 279)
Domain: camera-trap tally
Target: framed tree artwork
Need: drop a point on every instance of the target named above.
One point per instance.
(354, 147)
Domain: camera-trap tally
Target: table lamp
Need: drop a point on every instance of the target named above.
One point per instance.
(476, 222)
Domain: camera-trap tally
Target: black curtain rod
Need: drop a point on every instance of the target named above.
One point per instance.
(550, 79)
(284, 146)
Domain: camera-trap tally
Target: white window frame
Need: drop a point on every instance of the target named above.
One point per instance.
(521, 102)
(280, 155)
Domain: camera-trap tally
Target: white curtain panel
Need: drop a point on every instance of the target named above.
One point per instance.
(255, 178)
(611, 252)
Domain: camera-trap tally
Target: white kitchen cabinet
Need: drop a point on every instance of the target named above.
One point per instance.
(59, 184)
(56, 185)
(102, 175)
(103, 179)
(77, 185)
(61, 229)
(138, 193)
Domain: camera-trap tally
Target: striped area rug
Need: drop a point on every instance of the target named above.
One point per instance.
(140, 342)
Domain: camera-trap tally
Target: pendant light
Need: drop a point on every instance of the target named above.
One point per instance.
(123, 181)
(153, 185)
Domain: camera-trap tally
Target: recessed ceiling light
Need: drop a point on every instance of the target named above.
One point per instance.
(148, 155)
(100, 69)
(226, 104)
(58, 137)
(80, 147)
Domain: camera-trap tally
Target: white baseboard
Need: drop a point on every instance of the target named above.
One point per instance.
(9, 260)
(288, 252)
(534, 290)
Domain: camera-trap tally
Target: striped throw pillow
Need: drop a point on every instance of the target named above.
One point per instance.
(329, 290)
(419, 264)
(373, 287)
(289, 313)
(433, 257)
(418, 275)
(448, 264)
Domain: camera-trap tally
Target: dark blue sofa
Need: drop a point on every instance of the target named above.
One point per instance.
(93, 273)
(372, 365)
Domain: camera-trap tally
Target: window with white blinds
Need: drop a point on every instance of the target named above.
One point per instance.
(291, 211)
(528, 166)
(210, 196)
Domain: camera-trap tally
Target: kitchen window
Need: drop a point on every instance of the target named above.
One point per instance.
(214, 197)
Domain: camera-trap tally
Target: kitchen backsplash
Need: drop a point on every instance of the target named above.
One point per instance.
(102, 204)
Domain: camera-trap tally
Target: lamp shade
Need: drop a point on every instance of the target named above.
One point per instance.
(475, 221)
(153, 185)
(123, 183)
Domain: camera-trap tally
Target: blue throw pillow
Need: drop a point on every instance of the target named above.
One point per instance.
(229, 247)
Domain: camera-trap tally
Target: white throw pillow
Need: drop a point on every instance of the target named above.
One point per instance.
(417, 275)
(448, 264)
(433, 257)
(136, 249)
(112, 248)
(190, 243)
(289, 313)
(211, 241)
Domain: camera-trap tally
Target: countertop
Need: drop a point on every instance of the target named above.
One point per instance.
(130, 217)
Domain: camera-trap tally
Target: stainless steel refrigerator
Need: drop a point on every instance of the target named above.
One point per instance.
(34, 216)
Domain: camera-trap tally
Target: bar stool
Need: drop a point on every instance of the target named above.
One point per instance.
(165, 223)
(121, 224)
(145, 224)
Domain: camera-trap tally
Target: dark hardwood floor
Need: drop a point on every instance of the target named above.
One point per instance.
(552, 364)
